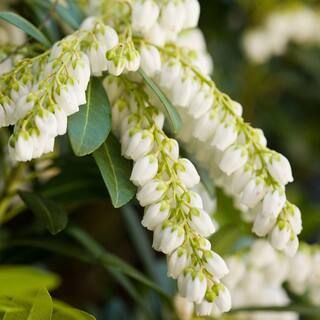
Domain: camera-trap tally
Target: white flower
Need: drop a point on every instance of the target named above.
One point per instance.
(237, 108)
(273, 202)
(144, 15)
(233, 159)
(116, 66)
(192, 39)
(183, 91)
(184, 308)
(155, 214)
(225, 135)
(240, 179)
(144, 170)
(23, 148)
(280, 236)
(201, 102)
(47, 123)
(133, 60)
(151, 192)
(98, 60)
(263, 224)
(171, 148)
(170, 73)
(280, 169)
(61, 119)
(167, 238)
(206, 126)
(216, 265)
(173, 16)
(177, 262)
(223, 300)
(253, 192)
(294, 218)
(187, 173)
(292, 246)
(150, 60)
(156, 35)
(262, 254)
(139, 144)
(66, 98)
(201, 222)
(192, 285)
(204, 308)
(192, 13)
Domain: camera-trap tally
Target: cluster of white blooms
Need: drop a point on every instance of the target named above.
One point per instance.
(235, 154)
(39, 94)
(256, 278)
(172, 211)
(304, 273)
(300, 24)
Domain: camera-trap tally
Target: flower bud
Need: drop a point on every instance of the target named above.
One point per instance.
(225, 135)
(155, 214)
(151, 192)
(233, 159)
(201, 222)
(216, 265)
(144, 170)
(192, 285)
(187, 173)
(144, 15)
(280, 169)
(167, 237)
(150, 60)
(280, 235)
(177, 262)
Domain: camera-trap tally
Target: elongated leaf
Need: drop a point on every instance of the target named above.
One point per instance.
(48, 212)
(89, 128)
(168, 108)
(19, 280)
(115, 171)
(68, 12)
(25, 26)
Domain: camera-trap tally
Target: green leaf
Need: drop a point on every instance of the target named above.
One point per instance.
(25, 26)
(89, 128)
(8, 306)
(48, 212)
(20, 280)
(169, 109)
(42, 306)
(68, 12)
(115, 171)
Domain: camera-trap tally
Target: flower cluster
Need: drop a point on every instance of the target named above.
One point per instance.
(172, 211)
(304, 273)
(256, 278)
(235, 154)
(299, 24)
(40, 93)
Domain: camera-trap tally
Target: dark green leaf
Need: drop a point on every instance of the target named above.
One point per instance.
(168, 108)
(90, 127)
(48, 212)
(115, 171)
(20, 280)
(26, 26)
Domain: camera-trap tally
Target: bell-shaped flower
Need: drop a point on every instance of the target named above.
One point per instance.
(151, 192)
(280, 169)
(144, 170)
(155, 214)
(178, 261)
(168, 237)
(201, 222)
(187, 173)
(273, 202)
(144, 15)
(192, 285)
(215, 265)
(234, 158)
(280, 235)
(150, 60)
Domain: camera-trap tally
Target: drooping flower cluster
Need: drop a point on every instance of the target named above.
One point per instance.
(40, 93)
(298, 24)
(256, 278)
(171, 209)
(304, 273)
